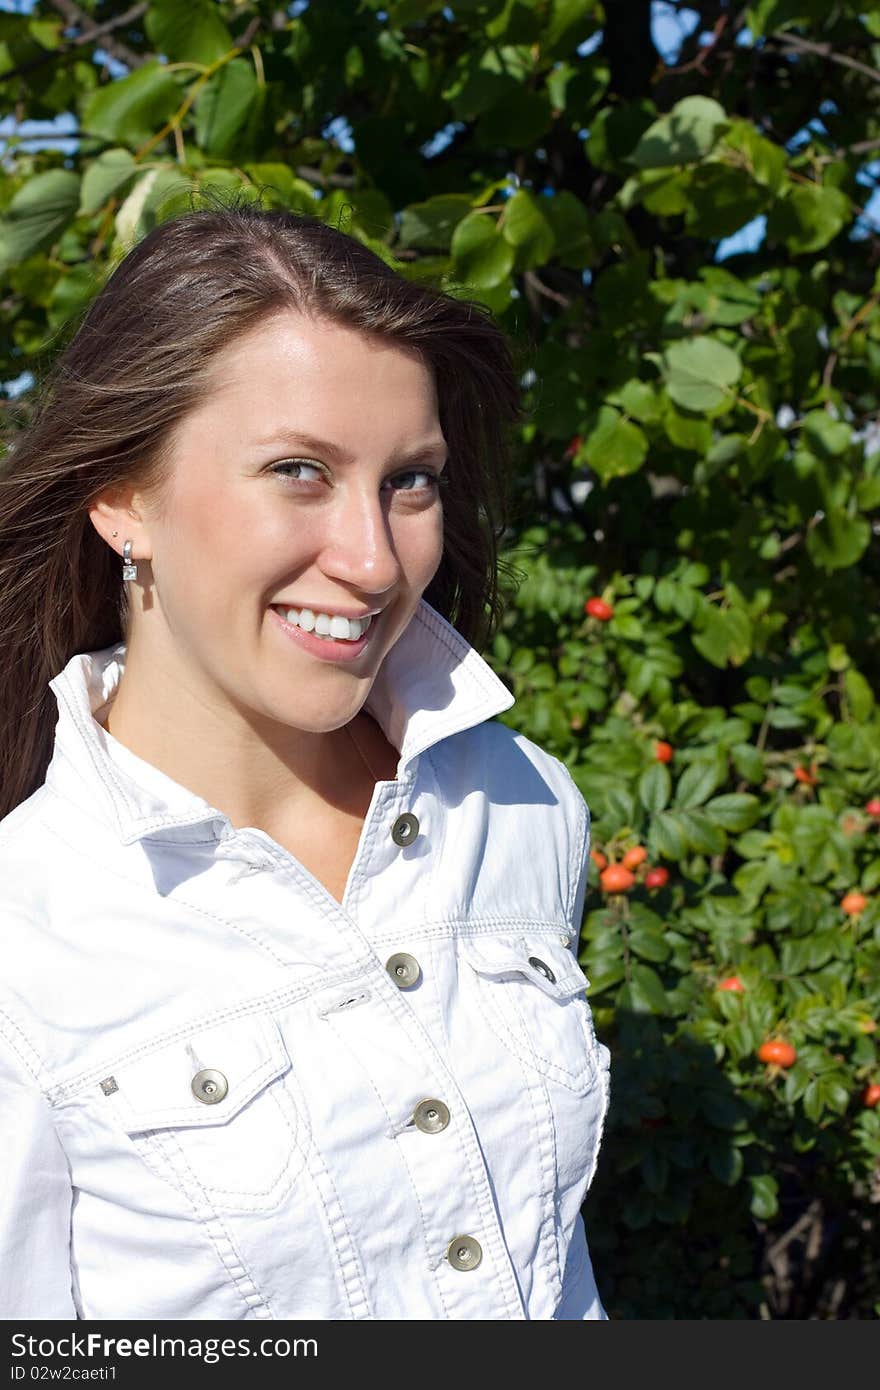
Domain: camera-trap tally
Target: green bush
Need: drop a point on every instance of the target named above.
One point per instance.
(699, 452)
(727, 1187)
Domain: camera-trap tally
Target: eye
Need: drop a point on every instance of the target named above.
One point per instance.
(294, 463)
(434, 480)
(431, 481)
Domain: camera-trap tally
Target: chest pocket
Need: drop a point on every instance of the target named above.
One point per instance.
(532, 995)
(210, 1114)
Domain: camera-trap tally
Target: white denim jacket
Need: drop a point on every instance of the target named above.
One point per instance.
(224, 1095)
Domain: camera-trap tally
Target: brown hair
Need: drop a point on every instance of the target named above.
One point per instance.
(139, 361)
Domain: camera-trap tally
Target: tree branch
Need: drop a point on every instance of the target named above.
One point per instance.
(91, 32)
(823, 50)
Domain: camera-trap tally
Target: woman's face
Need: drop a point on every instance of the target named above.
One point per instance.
(305, 480)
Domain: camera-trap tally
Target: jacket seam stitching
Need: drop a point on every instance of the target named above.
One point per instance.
(30, 1059)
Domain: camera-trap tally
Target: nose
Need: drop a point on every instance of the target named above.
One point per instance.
(358, 546)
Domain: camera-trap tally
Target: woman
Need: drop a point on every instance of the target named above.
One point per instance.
(291, 1022)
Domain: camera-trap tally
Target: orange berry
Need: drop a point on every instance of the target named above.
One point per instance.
(634, 857)
(598, 608)
(657, 878)
(598, 858)
(853, 903)
(873, 806)
(616, 879)
(871, 1095)
(802, 775)
(732, 983)
(777, 1053)
(663, 751)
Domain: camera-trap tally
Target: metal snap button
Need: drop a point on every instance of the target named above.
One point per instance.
(430, 1116)
(566, 940)
(209, 1086)
(403, 969)
(544, 969)
(464, 1253)
(405, 829)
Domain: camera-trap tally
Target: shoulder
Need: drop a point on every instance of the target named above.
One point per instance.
(507, 762)
(37, 874)
(526, 790)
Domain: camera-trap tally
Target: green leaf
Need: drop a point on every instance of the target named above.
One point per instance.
(751, 881)
(700, 372)
(654, 787)
(748, 762)
(859, 694)
(280, 187)
(607, 978)
(839, 540)
(688, 133)
(813, 1100)
(734, 811)
(150, 193)
(72, 294)
(726, 1164)
(569, 224)
(703, 836)
(639, 399)
(38, 214)
(429, 225)
(809, 217)
(109, 173)
(764, 1203)
(649, 944)
(765, 161)
(524, 225)
(481, 257)
(646, 990)
(133, 108)
(614, 447)
(832, 437)
(223, 106)
(668, 834)
(193, 33)
(698, 782)
(726, 636)
(516, 120)
(655, 1170)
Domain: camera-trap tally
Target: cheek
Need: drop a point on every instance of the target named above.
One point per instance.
(425, 546)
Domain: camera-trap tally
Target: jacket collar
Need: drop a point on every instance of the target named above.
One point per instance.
(431, 684)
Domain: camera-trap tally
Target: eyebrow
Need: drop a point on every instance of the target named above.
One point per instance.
(284, 435)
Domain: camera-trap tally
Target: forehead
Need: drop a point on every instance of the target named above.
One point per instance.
(314, 358)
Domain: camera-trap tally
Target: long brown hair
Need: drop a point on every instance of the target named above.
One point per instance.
(139, 361)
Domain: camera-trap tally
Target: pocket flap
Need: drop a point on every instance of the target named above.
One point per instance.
(542, 960)
(155, 1090)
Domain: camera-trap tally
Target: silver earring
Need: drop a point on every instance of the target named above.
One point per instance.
(129, 566)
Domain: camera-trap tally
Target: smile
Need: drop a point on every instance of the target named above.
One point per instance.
(325, 625)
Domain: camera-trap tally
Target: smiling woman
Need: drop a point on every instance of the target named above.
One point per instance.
(296, 1027)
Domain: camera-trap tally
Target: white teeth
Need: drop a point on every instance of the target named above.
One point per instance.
(326, 625)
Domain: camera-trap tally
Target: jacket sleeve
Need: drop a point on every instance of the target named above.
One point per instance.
(36, 1197)
(580, 1299)
(579, 856)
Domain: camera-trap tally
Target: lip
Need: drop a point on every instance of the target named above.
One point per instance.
(325, 648)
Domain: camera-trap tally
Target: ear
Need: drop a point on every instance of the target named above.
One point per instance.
(120, 510)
